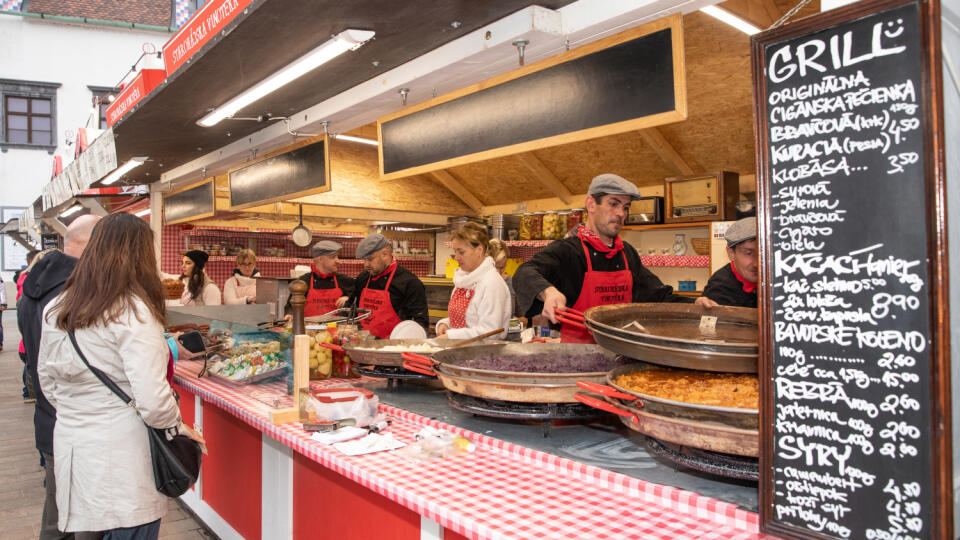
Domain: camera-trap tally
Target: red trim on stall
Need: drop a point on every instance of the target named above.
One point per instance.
(232, 470)
(327, 505)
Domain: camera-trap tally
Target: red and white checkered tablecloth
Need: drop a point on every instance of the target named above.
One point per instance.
(502, 490)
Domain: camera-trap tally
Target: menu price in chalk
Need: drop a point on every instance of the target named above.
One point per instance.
(849, 262)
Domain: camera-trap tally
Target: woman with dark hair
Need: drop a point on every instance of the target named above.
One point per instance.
(113, 302)
(199, 289)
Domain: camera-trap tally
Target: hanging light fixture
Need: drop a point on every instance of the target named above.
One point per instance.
(335, 46)
(123, 169)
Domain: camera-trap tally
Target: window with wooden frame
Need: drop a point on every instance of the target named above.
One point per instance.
(29, 114)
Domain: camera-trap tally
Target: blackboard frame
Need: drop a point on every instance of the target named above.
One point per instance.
(673, 22)
(202, 215)
(935, 219)
(279, 152)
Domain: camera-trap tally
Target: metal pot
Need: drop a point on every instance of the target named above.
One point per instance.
(671, 335)
(493, 383)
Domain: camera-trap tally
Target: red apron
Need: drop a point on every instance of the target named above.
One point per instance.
(457, 308)
(599, 288)
(383, 318)
(320, 301)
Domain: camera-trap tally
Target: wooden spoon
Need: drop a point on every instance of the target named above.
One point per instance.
(476, 338)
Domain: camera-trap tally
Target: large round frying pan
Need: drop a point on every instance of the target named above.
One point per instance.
(530, 373)
(372, 352)
(671, 335)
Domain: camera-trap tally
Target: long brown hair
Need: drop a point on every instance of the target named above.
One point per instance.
(117, 265)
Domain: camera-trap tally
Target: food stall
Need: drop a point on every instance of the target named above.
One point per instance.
(417, 144)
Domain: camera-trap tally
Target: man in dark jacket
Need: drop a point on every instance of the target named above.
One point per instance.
(736, 283)
(42, 285)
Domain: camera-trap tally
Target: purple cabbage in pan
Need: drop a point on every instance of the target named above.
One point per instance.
(544, 363)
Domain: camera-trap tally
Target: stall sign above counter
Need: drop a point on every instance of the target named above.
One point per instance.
(189, 203)
(289, 174)
(855, 324)
(93, 164)
(139, 87)
(629, 81)
(199, 29)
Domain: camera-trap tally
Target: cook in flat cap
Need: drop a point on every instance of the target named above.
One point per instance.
(736, 283)
(592, 267)
(326, 289)
(391, 292)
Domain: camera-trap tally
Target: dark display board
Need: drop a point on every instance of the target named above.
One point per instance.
(852, 276)
(193, 202)
(291, 174)
(621, 81)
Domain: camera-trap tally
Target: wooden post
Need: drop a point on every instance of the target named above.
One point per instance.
(298, 299)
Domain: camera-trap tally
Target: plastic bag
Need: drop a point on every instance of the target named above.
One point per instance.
(331, 404)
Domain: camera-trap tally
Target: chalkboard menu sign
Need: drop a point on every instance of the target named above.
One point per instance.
(283, 175)
(189, 203)
(622, 83)
(853, 312)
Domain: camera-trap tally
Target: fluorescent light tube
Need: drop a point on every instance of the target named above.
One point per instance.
(142, 213)
(122, 170)
(731, 19)
(339, 44)
(71, 211)
(351, 138)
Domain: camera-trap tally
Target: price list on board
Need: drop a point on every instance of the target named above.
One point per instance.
(849, 292)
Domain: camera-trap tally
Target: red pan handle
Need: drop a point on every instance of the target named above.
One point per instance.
(572, 313)
(414, 357)
(604, 390)
(571, 322)
(418, 367)
(332, 347)
(604, 406)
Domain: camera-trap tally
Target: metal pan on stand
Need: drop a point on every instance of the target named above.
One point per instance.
(372, 353)
(671, 335)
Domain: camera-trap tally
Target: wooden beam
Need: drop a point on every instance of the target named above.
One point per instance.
(655, 139)
(450, 182)
(546, 176)
(760, 13)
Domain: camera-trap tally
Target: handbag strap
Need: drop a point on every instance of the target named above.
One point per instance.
(98, 373)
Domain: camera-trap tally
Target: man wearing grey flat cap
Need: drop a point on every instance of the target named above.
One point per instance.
(327, 290)
(391, 292)
(592, 267)
(736, 283)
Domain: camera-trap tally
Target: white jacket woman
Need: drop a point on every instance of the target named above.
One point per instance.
(101, 454)
(488, 306)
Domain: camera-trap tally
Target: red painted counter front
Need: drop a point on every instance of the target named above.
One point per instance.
(291, 486)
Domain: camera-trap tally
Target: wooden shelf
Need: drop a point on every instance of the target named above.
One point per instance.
(668, 226)
(299, 260)
(688, 293)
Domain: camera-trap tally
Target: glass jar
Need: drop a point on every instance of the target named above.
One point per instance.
(551, 225)
(536, 227)
(575, 218)
(526, 224)
(564, 223)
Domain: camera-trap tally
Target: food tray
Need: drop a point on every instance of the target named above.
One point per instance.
(259, 377)
(673, 337)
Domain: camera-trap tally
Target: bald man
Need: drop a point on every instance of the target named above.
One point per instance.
(43, 284)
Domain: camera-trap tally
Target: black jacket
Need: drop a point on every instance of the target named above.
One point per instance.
(407, 294)
(43, 284)
(562, 264)
(346, 283)
(725, 289)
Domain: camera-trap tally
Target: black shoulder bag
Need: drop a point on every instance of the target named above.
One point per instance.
(176, 459)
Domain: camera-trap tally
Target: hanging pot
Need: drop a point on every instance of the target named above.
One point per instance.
(301, 235)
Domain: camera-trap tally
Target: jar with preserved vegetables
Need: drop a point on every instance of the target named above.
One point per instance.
(526, 224)
(564, 223)
(536, 227)
(575, 218)
(551, 226)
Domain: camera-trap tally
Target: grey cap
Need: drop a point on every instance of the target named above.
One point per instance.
(325, 247)
(371, 244)
(614, 185)
(741, 231)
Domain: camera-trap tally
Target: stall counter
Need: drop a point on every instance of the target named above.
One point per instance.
(265, 481)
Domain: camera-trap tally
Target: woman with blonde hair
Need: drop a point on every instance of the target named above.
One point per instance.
(500, 252)
(241, 287)
(115, 311)
(481, 300)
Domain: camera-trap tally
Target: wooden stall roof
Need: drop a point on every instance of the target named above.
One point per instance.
(717, 135)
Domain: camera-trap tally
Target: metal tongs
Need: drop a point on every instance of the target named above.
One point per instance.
(572, 317)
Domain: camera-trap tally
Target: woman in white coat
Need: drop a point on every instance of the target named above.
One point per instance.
(480, 301)
(241, 287)
(102, 456)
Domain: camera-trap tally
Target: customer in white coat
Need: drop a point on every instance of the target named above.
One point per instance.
(102, 456)
(480, 301)
(241, 287)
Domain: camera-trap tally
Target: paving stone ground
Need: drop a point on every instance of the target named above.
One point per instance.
(21, 477)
